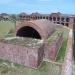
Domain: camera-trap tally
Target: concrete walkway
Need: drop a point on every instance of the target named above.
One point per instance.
(67, 65)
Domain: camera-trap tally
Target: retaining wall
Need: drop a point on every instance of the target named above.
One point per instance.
(51, 49)
(67, 65)
(29, 56)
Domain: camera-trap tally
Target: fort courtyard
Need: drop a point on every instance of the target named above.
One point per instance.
(36, 46)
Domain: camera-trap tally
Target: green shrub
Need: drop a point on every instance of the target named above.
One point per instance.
(5, 71)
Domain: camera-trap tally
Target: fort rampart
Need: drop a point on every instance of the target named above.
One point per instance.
(29, 56)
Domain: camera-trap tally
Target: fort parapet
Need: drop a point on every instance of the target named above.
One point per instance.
(29, 56)
(32, 56)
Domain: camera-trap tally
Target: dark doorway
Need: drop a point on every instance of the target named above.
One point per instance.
(67, 24)
(62, 24)
(28, 32)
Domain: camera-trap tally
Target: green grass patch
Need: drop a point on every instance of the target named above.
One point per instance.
(52, 37)
(5, 26)
(61, 53)
(1, 60)
(5, 71)
(65, 32)
(42, 66)
(17, 65)
(45, 68)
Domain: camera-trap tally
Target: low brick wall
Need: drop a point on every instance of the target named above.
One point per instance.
(29, 56)
(21, 55)
(67, 65)
(58, 26)
(51, 49)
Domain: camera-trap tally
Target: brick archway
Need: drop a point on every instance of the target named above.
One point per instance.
(43, 28)
(28, 31)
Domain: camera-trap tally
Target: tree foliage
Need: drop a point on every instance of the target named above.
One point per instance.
(13, 17)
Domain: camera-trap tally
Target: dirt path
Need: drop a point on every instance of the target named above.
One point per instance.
(54, 62)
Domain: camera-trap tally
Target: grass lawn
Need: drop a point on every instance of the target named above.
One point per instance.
(61, 53)
(46, 68)
(5, 26)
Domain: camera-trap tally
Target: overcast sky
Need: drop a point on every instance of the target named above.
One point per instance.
(40, 6)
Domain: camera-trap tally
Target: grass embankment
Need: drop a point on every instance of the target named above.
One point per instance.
(46, 68)
(5, 26)
(61, 53)
(54, 36)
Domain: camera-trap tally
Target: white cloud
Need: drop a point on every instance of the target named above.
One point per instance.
(5, 1)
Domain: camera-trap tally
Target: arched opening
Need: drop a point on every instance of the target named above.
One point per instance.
(67, 19)
(27, 31)
(58, 23)
(62, 24)
(54, 18)
(50, 18)
(67, 24)
(43, 17)
(58, 19)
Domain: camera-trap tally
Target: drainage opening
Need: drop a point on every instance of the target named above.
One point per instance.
(28, 32)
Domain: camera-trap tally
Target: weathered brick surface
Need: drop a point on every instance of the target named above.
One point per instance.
(29, 56)
(19, 54)
(51, 49)
(44, 27)
(67, 65)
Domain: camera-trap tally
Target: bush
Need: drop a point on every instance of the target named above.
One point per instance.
(10, 31)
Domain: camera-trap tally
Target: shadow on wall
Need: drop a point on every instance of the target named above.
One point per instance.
(74, 43)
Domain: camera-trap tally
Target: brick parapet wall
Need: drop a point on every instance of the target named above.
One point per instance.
(58, 43)
(19, 54)
(29, 56)
(58, 26)
(40, 54)
(51, 49)
(67, 65)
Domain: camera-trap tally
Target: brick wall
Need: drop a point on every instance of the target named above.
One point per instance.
(29, 56)
(51, 49)
(20, 54)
